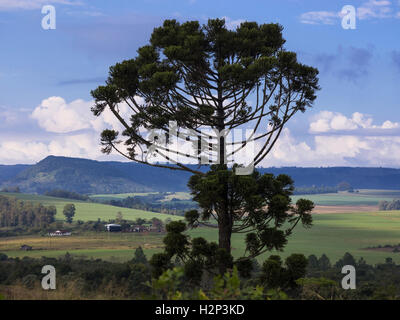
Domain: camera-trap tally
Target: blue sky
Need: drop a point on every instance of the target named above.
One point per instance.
(46, 75)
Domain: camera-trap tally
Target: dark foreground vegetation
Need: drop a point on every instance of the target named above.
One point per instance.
(295, 278)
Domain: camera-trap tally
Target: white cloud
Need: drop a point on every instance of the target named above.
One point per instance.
(30, 151)
(336, 150)
(71, 130)
(372, 9)
(54, 114)
(232, 24)
(319, 17)
(32, 4)
(327, 121)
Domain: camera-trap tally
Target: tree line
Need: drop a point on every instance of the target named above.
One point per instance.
(14, 213)
(389, 205)
(59, 193)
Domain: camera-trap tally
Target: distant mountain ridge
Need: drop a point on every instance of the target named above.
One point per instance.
(90, 177)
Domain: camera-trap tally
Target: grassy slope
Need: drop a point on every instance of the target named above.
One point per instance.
(346, 199)
(86, 211)
(333, 234)
(364, 197)
(118, 196)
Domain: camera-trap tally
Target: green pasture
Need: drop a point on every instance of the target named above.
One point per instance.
(363, 197)
(118, 196)
(335, 234)
(88, 211)
(347, 198)
(332, 234)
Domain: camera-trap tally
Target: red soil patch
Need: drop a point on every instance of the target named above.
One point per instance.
(343, 209)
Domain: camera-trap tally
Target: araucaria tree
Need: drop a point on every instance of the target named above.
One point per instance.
(196, 78)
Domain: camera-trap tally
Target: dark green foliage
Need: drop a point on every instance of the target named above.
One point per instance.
(347, 259)
(258, 205)
(139, 275)
(272, 272)
(17, 213)
(324, 263)
(133, 280)
(313, 262)
(200, 77)
(188, 73)
(296, 265)
(245, 267)
(373, 282)
(275, 275)
(69, 212)
(139, 256)
(176, 243)
(160, 262)
(66, 194)
(197, 256)
(315, 190)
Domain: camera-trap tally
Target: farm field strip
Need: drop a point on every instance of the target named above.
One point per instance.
(88, 211)
(332, 234)
(363, 197)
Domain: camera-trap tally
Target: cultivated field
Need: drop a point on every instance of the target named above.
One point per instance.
(364, 197)
(333, 233)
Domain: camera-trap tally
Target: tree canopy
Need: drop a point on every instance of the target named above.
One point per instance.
(69, 212)
(196, 84)
(204, 77)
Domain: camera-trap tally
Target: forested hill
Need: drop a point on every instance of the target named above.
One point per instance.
(357, 177)
(89, 176)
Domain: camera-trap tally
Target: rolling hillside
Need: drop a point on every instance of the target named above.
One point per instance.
(111, 177)
(88, 211)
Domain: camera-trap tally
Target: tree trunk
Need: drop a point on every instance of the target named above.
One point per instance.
(224, 238)
(224, 217)
(225, 233)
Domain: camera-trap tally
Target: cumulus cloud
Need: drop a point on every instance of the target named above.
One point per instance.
(69, 129)
(28, 150)
(54, 114)
(336, 150)
(327, 121)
